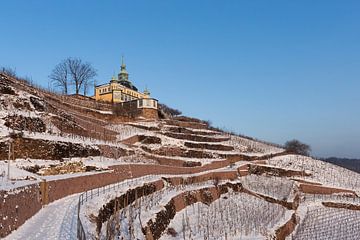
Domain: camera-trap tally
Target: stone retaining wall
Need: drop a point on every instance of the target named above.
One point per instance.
(218, 147)
(45, 149)
(17, 206)
(30, 199)
(286, 229)
(194, 125)
(317, 189)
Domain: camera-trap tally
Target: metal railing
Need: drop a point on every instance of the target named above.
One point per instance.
(90, 194)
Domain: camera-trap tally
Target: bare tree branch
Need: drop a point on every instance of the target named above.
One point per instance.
(59, 76)
(81, 73)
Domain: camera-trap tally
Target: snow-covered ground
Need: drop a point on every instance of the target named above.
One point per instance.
(20, 177)
(322, 223)
(145, 209)
(104, 162)
(151, 123)
(251, 147)
(100, 196)
(326, 173)
(17, 178)
(58, 220)
(233, 216)
(126, 131)
(276, 187)
(336, 198)
(202, 161)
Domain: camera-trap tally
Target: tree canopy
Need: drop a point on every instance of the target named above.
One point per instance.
(295, 146)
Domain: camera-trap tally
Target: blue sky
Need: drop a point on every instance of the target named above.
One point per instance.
(274, 70)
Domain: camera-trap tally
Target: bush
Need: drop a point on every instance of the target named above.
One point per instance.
(297, 147)
(168, 111)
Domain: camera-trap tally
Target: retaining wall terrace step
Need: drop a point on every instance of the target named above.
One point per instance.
(188, 131)
(195, 125)
(218, 147)
(195, 138)
(179, 152)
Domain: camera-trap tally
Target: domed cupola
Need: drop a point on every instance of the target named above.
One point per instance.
(123, 76)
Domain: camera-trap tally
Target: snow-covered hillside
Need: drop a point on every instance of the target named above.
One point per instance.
(77, 171)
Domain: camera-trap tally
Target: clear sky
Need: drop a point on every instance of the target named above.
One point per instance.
(274, 70)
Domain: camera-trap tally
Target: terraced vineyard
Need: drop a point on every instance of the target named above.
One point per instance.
(175, 178)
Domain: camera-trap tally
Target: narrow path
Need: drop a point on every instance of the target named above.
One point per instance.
(57, 220)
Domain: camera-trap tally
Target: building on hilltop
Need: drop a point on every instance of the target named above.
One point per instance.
(121, 92)
(119, 89)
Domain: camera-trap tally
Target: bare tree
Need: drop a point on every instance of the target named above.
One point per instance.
(59, 76)
(81, 73)
(87, 85)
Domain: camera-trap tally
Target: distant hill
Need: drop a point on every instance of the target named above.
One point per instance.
(351, 164)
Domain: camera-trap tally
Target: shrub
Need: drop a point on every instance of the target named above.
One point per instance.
(295, 146)
(168, 111)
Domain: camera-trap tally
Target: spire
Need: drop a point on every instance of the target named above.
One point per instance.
(123, 65)
(123, 75)
(122, 62)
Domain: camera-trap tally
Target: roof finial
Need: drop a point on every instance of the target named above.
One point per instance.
(146, 91)
(122, 61)
(113, 78)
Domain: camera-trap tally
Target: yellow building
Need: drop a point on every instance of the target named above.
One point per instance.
(120, 89)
